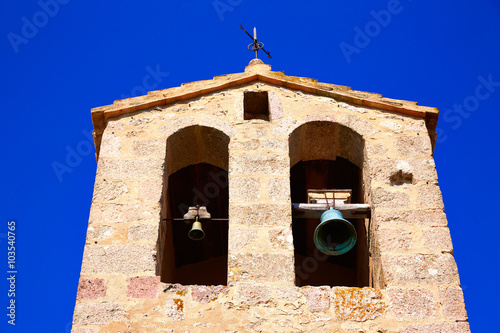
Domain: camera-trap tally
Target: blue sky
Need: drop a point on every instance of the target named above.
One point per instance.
(60, 58)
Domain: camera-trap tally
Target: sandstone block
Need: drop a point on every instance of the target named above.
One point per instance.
(429, 196)
(281, 239)
(261, 267)
(118, 259)
(174, 309)
(276, 145)
(384, 198)
(205, 294)
(109, 190)
(407, 218)
(120, 168)
(318, 298)
(244, 145)
(239, 238)
(116, 213)
(151, 190)
(375, 150)
(278, 190)
(91, 288)
(111, 145)
(149, 148)
(222, 126)
(411, 304)
(97, 313)
(359, 125)
(143, 287)
(438, 328)
(287, 293)
(394, 240)
(252, 165)
(99, 232)
(357, 304)
(437, 239)
(261, 214)
(452, 300)
(244, 189)
(286, 126)
(413, 146)
(253, 294)
(143, 231)
(423, 269)
(83, 330)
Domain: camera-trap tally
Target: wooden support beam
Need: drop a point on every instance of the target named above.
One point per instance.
(314, 211)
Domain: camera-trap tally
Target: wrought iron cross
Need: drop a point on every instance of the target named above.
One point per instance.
(256, 46)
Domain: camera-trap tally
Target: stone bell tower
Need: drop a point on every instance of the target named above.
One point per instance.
(249, 155)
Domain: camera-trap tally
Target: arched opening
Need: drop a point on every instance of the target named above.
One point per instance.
(197, 160)
(321, 156)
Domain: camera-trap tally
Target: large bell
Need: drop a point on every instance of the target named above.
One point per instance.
(196, 232)
(334, 235)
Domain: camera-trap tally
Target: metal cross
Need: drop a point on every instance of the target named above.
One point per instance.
(256, 46)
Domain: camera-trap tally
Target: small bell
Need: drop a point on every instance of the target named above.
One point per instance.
(196, 233)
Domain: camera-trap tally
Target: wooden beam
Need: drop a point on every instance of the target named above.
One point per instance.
(314, 211)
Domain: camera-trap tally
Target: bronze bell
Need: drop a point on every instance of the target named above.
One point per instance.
(196, 232)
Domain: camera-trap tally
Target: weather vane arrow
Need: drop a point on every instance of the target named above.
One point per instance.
(255, 46)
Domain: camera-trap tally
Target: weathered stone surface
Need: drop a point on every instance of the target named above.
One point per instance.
(143, 231)
(239, 238)
(438, 328)
(253, 294)
(244, 145)
(143, 287)
(222, 126)
(277, 145)
(408, 218)
(176, 125)
(261, 267)
(394, 240)
(412, 303)
(91, 288)
(286, 126)
(357, 304)
(359, 125)
(244, 189)
(429, 196)
(452, 300)
(97, 313)
(384, 198)
(111, 145)
(115, 213)
(278, 190)
(254, 165)
(109, 190)
(149, 148)
(281, 239)
(205, 294)
(118, 259)
(413, 146)
(318, 298)
(275, 106)
(375, 150)
(83, 330)
(420, 269)
(437, 239)
(174, 309)
(99, 232)
(151, 190)
(121, 168)
(261, 214)
(287, 293)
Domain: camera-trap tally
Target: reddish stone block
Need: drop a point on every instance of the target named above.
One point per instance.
(205, 294)
(253, 294)
(143, 287)
(91, 289)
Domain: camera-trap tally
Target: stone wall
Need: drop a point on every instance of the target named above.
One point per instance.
(414, 279)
